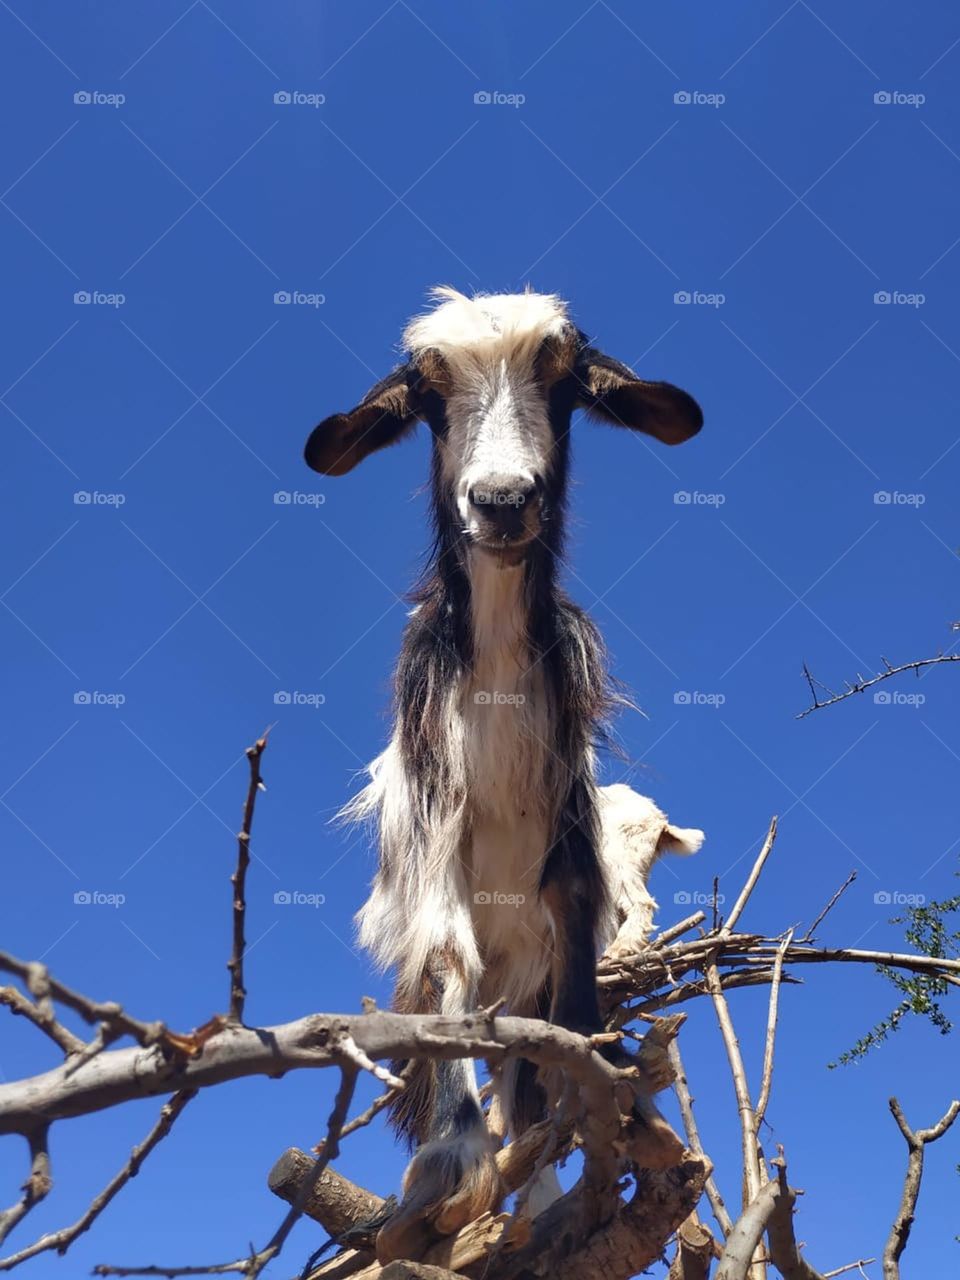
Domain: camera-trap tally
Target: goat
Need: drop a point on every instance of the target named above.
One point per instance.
(503, 866)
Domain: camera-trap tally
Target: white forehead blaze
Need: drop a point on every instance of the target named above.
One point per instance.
(496, 412)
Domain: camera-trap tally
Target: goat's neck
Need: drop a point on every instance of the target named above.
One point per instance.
(498, 618)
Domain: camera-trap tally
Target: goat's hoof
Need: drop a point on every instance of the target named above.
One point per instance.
(447, 1185)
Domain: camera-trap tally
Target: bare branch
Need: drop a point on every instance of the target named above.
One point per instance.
(61, 1240)
(766, 1079)
(808, 936)
(752, 879)
(784, 1252)
(43, 986)
(860, 684)
(685, 1100)
(37, 1185)
(239, 881)
(916, 1142)
(42, 1018)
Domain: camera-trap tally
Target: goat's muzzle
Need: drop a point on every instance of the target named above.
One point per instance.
(504, 512)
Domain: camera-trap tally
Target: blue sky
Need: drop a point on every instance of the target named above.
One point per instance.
(781, 198)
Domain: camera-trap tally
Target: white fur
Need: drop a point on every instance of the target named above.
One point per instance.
(635, 833)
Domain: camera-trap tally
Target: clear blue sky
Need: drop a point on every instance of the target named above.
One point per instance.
(797, 198)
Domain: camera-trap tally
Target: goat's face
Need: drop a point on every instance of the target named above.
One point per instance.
(497, 378)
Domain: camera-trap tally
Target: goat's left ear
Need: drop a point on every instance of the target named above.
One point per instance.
(615, 394)
(382, 417)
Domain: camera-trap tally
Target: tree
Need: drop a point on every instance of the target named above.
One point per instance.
(640, 1187)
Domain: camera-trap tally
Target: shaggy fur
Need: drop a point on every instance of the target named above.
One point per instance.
(503, 868)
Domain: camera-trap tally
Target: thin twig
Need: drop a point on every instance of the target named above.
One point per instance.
(860, 684)
(62, 1240)
(808, 936)
(43, 986)
(37, 1185)
(685, 1100)
(752, 879)
(42, 1018)
(239, 882)
(850, 1266)
(766, 1079)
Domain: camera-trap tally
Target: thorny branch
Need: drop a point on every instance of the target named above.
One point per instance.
(863, 682)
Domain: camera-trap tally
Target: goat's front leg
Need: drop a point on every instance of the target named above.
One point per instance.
(452, 1178)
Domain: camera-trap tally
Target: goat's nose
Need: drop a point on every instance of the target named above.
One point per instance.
(498, 496)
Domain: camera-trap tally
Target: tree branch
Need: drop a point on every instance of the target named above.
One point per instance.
(860, 684)
(916, 1142)
(238, 880)
(61, 1240)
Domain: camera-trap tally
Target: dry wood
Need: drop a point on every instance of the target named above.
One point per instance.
(916, 1144)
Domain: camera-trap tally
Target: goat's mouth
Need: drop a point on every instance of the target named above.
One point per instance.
(503, 549)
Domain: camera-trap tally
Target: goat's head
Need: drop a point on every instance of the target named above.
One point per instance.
(497, 378)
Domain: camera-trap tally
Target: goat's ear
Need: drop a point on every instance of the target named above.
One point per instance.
(382, 417)
(614, 393)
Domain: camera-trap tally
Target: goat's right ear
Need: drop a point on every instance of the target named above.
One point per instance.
(382, 417)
